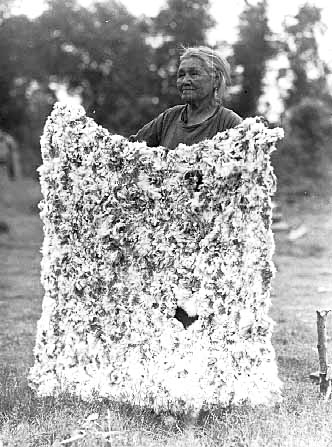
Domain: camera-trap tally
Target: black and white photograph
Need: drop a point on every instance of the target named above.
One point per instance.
(165, 223)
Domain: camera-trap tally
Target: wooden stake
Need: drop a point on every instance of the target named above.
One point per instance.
(324, 367)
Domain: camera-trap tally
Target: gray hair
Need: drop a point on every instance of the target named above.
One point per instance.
(214, 64)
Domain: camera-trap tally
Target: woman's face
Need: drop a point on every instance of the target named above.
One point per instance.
(194, 82)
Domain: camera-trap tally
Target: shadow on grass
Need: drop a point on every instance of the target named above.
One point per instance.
(18, 399)
(46, 421)
(51, 418)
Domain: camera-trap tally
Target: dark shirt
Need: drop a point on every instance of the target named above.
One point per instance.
(170, 128)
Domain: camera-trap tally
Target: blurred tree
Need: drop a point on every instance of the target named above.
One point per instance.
(306, 68)
(101, 53)
(20, 74)
(178, 23)
(253, 48)
(13, 38)
(305, 153)
(5, 6)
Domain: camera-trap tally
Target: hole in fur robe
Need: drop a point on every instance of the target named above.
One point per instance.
(193, 179)
(182, 316)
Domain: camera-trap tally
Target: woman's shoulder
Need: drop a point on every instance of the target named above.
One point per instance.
(174, 111)
(229, 118)
(231, 114)
(153, 131)
(170, 116)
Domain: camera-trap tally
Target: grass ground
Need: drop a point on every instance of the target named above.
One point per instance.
(303, 283)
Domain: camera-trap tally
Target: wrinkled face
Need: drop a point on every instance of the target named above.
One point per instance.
(194, 82)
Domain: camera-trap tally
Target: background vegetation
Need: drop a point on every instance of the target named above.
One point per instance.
(124, 67)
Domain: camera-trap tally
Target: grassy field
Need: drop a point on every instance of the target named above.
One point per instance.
(303, 283)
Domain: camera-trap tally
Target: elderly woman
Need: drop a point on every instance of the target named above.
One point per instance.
(201, 80)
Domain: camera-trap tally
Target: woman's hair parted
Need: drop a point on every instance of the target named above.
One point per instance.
(214, 63)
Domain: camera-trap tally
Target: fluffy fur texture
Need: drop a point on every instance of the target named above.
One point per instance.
(135, 237)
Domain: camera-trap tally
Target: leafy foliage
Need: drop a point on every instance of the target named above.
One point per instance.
(102, 54)
(306, 150)
(251, 52)
(25, 95)
(306, 67)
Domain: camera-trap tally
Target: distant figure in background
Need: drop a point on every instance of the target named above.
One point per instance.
(201, 80)
(9, 160)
